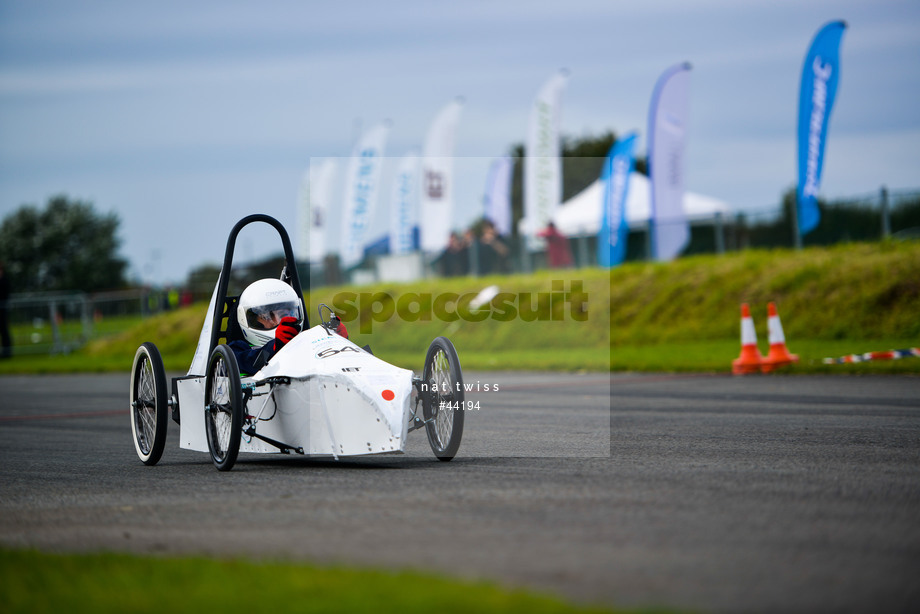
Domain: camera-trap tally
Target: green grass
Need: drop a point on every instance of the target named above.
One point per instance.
(679, 316)
(33, 582)
(38, 337)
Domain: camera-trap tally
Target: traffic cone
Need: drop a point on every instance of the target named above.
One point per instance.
(778, 355)
(750, 358)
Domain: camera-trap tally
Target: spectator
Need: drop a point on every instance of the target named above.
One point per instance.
(493, 251)
(558, 251)
(455, 259)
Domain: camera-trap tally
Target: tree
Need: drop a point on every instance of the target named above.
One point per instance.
(201, 280)
(66, 246)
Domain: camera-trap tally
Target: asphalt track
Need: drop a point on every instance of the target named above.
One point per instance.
(705, 493)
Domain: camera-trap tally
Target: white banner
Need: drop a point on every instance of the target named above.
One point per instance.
(318, 200)
(361, 188)
(542, 165)
(403, 205)
(667, 129)
(498, 195)
(435, 200)
(302, 241)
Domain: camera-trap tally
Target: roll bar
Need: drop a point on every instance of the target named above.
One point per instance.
(223, 307)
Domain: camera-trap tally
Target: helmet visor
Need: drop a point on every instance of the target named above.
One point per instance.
(267, 317)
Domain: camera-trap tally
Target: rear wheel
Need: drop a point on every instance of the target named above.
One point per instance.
(223, 408)
(149, 404)
(442, 406)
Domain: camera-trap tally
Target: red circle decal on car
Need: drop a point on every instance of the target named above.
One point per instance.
(388, 395)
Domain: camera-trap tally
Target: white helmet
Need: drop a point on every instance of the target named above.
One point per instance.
(261, 307)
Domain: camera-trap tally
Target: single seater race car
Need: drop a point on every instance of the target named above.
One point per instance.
(320, 395)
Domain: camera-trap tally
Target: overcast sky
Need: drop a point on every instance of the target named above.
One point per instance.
(183, 117)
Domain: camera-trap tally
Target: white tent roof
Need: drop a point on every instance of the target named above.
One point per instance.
(581, 214)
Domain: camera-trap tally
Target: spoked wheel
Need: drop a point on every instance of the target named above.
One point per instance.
(223, 408)
(149, 404)
(442, 407)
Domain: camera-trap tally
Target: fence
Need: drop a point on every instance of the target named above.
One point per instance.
(58, 323)
(866, 217)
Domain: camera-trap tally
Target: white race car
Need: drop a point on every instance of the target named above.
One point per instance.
(321, 395)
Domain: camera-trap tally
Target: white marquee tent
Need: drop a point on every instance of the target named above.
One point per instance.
(581, 214)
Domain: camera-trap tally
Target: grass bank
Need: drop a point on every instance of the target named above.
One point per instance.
(679, 316)
(36, 582)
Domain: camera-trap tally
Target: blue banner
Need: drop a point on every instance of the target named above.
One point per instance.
(816, 99)
(611, 241)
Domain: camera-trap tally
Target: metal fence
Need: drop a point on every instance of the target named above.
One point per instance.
(866, 217)
(58, 323)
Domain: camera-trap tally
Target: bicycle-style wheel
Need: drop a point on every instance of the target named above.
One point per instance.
(223, 408)
(149, 404)
(443, 407)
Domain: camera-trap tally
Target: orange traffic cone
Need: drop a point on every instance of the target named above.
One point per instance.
(779, 355)
(750, 358)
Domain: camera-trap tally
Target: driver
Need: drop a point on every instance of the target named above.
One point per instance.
(270, 314)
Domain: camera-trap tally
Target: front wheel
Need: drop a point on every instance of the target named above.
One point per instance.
(148, 404)
(223, 408)
(442, 405)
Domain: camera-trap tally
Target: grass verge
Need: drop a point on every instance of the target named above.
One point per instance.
(36, 582)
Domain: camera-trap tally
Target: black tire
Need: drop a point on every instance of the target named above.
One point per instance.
(443, 407)
(223, 408)
(149, 404)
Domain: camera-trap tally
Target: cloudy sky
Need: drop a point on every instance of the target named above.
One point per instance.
(183, 117)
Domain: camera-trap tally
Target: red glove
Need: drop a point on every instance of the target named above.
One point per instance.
(287, 330)
(341, 330)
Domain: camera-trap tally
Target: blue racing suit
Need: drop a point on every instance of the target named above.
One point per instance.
(249, 358)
